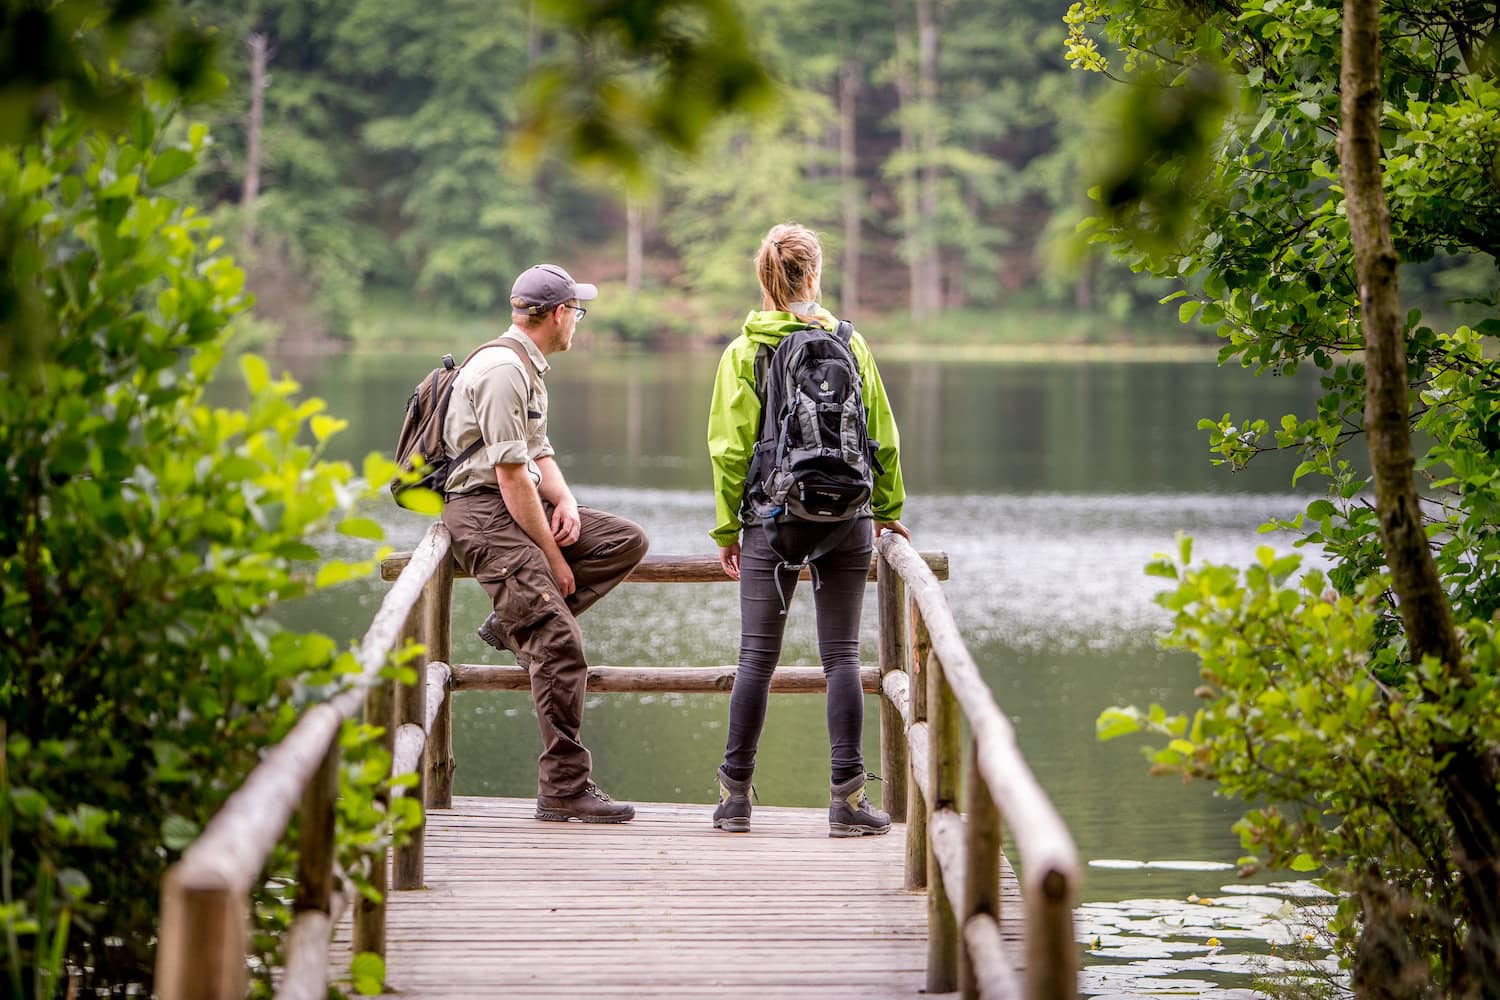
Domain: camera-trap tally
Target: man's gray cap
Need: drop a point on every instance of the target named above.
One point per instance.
(547, 286)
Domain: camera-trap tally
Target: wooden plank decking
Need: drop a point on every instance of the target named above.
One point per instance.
(662, 906)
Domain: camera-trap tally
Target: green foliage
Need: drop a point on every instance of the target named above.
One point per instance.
(43, 920)
(1313, 721)
(148, 535)
(1267, 263)
(646, 319)
(640, 73)
(748, 177)
(97, 58)
(446, 181)
(1314, 704)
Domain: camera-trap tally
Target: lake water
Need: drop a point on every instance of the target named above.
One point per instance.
(1049, 486)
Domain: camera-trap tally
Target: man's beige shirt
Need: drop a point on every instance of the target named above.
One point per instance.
(492, 402)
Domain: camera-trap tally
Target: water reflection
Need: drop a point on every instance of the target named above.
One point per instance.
(1092, 428)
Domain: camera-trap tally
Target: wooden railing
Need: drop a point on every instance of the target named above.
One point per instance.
(930, 682)
(204, 935)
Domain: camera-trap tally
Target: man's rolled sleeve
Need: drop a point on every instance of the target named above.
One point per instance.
(506, 453)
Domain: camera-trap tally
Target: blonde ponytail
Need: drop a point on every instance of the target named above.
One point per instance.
(789, 258)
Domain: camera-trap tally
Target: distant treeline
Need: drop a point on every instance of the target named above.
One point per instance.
(939, 146)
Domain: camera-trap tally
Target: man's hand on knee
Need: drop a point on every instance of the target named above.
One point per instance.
(566, 526)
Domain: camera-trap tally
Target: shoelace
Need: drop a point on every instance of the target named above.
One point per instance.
(864, 800)
(597, 792)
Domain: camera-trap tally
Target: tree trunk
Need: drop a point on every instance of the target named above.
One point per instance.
(906, 181)
(849, 173)
(1469, 777)
(929, 274)
(634, 226)
(259, 57)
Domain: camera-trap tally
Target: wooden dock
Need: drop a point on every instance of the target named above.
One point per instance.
(662, 906)
(482, 900)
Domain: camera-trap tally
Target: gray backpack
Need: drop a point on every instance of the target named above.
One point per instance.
(813, 458)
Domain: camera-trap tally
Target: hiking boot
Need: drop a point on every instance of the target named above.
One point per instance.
(491, 632)
(850, 813)
(732, 815)
(589, 806)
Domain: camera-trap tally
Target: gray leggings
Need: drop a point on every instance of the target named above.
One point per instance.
(839, 579)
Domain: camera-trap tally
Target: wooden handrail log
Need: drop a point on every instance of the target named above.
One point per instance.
(391, 617)
(993, 971)
(394, 610)
(439, 676)
(1040, 834)
(919, 742)
(666, 568)
(946, 828)
(233, 848)
(897, 690)
(677, 680)
(411, 739)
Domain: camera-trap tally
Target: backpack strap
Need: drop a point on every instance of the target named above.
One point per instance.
(526, 365)
(763, 354)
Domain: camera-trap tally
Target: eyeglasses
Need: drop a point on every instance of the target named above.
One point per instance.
(580, 310)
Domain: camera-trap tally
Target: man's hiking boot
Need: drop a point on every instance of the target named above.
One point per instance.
(589, 806)
(491, 632)
(732, 815)
(850, 813)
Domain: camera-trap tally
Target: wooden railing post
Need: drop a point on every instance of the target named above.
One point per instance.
(891, 601)
(981, 863)
(369, 916)
(1051, 954)
(945, 724)
(440, 638)
(411, 707)
(204, 938)
(315, 842)
(919, 648)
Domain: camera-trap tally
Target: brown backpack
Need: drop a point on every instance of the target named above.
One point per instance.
(421, 452)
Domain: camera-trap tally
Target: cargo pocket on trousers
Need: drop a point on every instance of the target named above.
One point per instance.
(528, 593)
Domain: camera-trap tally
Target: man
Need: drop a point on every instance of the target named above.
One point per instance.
(518, 529)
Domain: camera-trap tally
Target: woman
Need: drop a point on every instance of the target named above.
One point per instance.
(789, 266)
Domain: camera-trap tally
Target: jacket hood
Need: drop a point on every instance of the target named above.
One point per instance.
(768, 326)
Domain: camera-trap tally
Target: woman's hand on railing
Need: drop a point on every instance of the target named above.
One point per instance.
(881, 527)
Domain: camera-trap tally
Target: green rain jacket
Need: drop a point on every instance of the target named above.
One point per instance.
(734, 420)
